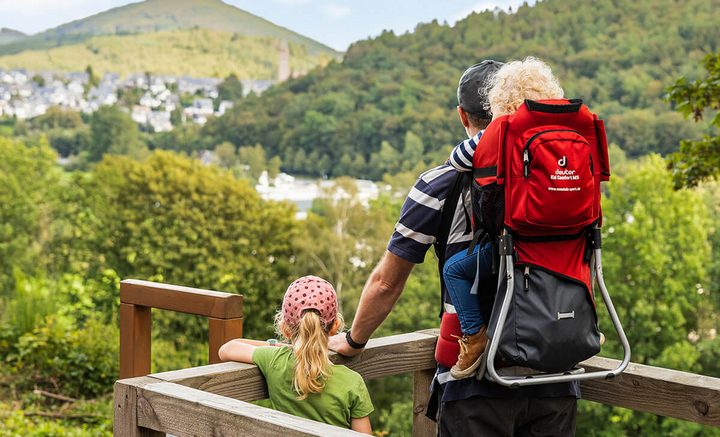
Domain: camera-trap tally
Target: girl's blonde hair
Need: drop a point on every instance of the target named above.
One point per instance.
(519, 80)
(309, 340)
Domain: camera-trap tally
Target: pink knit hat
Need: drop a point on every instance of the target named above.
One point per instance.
(309, 292)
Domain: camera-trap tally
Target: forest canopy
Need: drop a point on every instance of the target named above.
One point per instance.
(618, 56)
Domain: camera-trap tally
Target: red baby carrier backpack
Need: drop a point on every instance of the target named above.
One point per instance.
(536, 198)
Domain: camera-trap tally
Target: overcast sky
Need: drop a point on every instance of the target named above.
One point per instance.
(336, 23)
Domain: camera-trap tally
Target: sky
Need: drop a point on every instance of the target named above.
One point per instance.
(336, 23)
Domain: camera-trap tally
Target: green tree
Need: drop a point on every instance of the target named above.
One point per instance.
(698, 160)
(93, 80)
(28, 179)
(113, 132)
(55, 117)
(176, 116)
(273, 167)
(226, 154)
(252, 160)
(413, 152)
(655, 258)
(230, 89)
(172, 219)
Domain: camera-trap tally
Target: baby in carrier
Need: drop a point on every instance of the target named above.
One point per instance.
(512, 84)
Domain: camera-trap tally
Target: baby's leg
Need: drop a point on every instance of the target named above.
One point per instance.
(459, 274)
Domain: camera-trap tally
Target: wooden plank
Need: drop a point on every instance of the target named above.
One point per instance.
(665, 392)
(422, 426)
(382, 357)
(135, 340)
(125, 409)
(222, 331)
(183, 411)
(182, 299)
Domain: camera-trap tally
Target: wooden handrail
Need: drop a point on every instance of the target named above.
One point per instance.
(214, 397)
(137, 298)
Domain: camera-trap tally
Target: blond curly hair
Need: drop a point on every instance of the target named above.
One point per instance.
(519, 80)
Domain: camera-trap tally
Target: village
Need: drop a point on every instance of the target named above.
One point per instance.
(26, 94)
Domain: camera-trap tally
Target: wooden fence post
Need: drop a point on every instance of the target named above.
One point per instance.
(222, 331)
(422, 426)
(125, 414)
(135, 340)
(137, 298)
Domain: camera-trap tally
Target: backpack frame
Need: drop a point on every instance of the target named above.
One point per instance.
(545, 178)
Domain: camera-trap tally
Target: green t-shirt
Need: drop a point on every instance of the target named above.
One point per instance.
(345, 395)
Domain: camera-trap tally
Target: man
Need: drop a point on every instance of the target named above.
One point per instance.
(467, 407)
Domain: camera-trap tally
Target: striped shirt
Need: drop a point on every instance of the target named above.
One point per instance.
(461, 158)
(415, 232)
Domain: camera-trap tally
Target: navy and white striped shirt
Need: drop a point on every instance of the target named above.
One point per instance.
(461, 158)
(415, 232)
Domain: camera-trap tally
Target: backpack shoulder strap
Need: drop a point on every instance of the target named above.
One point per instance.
(460, 182)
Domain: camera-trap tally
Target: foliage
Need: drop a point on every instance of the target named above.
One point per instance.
(28, 178)
(698, 160)
(655, 260)
(192, 52)
(173, 220)
(56, 354)
(113, 132)
(230, 89)
(616, 55)
(24, 423)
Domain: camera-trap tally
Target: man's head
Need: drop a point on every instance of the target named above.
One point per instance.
(472, 96)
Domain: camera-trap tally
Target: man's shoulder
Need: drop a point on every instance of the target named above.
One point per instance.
(438, 180)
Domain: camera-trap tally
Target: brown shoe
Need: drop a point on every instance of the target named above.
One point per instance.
(471, 351)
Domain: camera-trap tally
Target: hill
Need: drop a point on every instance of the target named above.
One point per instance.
(160, 15)
(354, 117)
(9, 35)
(195, 52)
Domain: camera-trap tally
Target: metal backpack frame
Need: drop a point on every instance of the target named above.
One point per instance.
(576, 374)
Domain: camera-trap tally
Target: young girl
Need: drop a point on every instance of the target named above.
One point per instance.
(512, 84)
(300, 378)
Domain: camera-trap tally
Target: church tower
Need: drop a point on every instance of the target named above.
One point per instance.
(284, 63)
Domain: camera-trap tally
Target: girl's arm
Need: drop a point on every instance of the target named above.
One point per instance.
(241, 349)
(361, 425)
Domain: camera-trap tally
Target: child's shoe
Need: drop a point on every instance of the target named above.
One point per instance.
(471, 351)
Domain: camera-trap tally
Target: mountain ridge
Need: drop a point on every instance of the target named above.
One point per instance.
(160, 15)
(8, 35)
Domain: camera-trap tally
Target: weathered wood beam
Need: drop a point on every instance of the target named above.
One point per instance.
(665, 392)
(125, 419)
(382, 357)
(187, 412)
(183, 299)
(422, 425)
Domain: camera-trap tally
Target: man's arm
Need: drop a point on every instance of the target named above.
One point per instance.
(381, 291)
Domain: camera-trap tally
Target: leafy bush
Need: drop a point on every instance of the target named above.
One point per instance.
(80, 362)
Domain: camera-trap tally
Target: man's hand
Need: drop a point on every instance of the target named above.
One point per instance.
(339, 344)
(381, 291)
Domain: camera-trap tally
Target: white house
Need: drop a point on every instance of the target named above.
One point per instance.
(140, 114)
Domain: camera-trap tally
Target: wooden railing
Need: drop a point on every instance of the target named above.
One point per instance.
(213, 400)
(137, 298)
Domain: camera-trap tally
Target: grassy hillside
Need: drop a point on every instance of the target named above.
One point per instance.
(617, 55)
(159, 15)
(9, 35)
(194, 52)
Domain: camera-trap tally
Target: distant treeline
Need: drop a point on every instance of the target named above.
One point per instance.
(616, 55)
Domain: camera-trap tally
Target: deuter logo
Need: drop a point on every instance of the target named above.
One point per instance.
(562, 162)
(564, 175)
